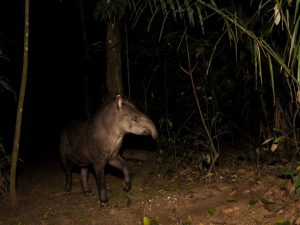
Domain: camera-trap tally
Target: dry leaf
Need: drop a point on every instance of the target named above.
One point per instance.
(277, 16)
(274, 147)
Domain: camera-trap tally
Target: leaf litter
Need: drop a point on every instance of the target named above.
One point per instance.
(235, 197)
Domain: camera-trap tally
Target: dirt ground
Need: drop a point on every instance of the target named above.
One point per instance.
(235, 195)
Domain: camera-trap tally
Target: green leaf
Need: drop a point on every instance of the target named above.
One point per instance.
(286, 222)
(287, 172)
(247, 212)
(149, 221)
(278, 140)
(169, 123)
(297, 186)
(209, 213)
(172, 6)
(200, 18)
(272, 77)
(277, 130)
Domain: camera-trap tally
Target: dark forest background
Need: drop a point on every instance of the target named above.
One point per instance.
(215, 76)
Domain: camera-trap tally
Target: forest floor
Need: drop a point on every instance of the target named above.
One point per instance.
(235, 194)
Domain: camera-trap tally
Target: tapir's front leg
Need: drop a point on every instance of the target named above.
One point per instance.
(118, 162)
(101, 184)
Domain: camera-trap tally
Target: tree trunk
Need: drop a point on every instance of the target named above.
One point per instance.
(14, 157)
(113, 55)
(86, 57)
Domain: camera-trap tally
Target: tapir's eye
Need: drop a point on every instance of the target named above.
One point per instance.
(135, 118)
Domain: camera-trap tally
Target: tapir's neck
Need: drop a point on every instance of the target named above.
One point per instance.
(107, 130)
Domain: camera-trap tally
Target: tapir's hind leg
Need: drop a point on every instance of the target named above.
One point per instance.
(68, 172)
(66, 163)
(84, 181)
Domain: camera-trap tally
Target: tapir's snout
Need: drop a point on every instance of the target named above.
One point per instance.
(154, 134)
(150, 128)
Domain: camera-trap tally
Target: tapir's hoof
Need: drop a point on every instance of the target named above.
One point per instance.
(103, 203)
(88, 193)
(68, 188)
(67, 192)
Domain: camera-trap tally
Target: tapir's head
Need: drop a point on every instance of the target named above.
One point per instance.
(131, 120)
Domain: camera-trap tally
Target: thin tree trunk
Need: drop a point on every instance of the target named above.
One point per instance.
(14, 158)
(113, 55)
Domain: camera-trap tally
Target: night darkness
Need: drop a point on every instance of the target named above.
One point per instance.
(55, 92)
(55, 87)
(218, 97)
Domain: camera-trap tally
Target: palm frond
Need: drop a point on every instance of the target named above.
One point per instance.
(265, 47)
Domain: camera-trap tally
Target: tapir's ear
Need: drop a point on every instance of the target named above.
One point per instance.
(119, 101)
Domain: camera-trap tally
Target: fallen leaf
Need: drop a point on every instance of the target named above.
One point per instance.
(230, 210)
(297, 222)
(252, 201)
(281, 206)
(188, 220)
(210, 212)
(268, 205)
(286, 222)
(149, 221)
(250, 174)
(247, 212)
(265, 201)
(231, 200)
